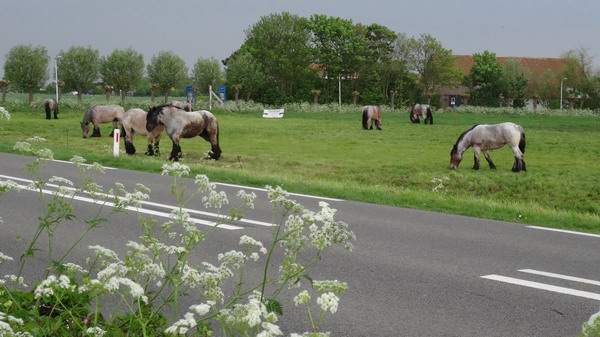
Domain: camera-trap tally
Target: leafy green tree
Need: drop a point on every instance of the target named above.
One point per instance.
(485, 79)
(123, 70)
(579, 73)
(26, 68)
(433, 63)
(207, 72)
(79, 68)
(244, 71)
(168, 71)
(280, 44)
(379, 74)
(514, 82)
(338, 47)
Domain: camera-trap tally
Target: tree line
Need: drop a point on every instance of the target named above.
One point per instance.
(323, 59)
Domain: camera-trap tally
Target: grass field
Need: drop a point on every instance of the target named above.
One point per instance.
(328, 154)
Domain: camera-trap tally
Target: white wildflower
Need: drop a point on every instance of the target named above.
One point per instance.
(36, 139)
(112, 269)
(22, 146)
(215, 199)
(182, 326)
(16, 279)
(136, 246)
(45, 154)
(135, 290)
(202, 309)
(248, 198)
(248, 241)
(336, 287)
(95, 332)
(328, 301)
(235, 259)
(45, 287)
(4, 258)
(302, 298)
(8, 185)
(270, 330)
(78, 160)
(104, 252)
(60, 181)
(175, 169)
(4, 113)
(203, 183)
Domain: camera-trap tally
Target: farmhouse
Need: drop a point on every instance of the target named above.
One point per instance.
(458, 95)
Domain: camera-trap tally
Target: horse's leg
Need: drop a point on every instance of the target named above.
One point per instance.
(129, 148)
(156, 143)
(47, 112)
(56, 113)
(96, 132)
(489, 159)
(112, 132)
(519, 164)
(176, 151)
(378, 124)
(213, 139)
(476, 150)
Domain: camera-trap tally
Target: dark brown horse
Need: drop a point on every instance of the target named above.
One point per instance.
(185, 124)
(484, 137)
(134, 122)
(371, 114)
(422, 110)
(97, 114)
(50, 105)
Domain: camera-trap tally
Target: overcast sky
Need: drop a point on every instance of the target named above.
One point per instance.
(196, 29)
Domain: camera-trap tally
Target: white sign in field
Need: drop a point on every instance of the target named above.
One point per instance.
(273, 113)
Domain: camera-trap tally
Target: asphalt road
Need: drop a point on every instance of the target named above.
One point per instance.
(411, 273)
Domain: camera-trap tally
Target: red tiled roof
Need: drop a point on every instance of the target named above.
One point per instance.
(536, 65)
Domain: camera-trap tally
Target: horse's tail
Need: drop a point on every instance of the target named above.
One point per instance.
(522, 141)
(429, 115)
(365, 117)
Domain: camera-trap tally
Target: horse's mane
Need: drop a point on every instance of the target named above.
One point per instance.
(88, 114)
(462, 135)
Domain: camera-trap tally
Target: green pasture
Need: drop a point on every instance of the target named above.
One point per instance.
(328, 154)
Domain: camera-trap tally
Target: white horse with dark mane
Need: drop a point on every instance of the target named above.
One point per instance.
(484, 137)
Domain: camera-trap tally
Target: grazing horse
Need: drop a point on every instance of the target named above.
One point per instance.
(371, 114)
(423, 110)
(97, 114)
(134, 121)
(185, 124)
(50, 104)
(484, 137)
(182, 105)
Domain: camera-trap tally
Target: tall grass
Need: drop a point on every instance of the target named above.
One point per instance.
(323, 150)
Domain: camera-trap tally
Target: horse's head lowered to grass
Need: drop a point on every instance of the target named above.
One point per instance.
(485, 137)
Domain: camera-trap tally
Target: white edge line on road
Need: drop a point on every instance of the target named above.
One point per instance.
(559, 276)
(70, 162)
(140, 210)
(264, 190)
(222, 184)
(543, 286)
(564, 231)
(248, 221)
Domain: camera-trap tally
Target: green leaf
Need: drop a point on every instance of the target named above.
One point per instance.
(274, 306)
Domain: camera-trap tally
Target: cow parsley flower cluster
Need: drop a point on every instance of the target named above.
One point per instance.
(175, 169)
